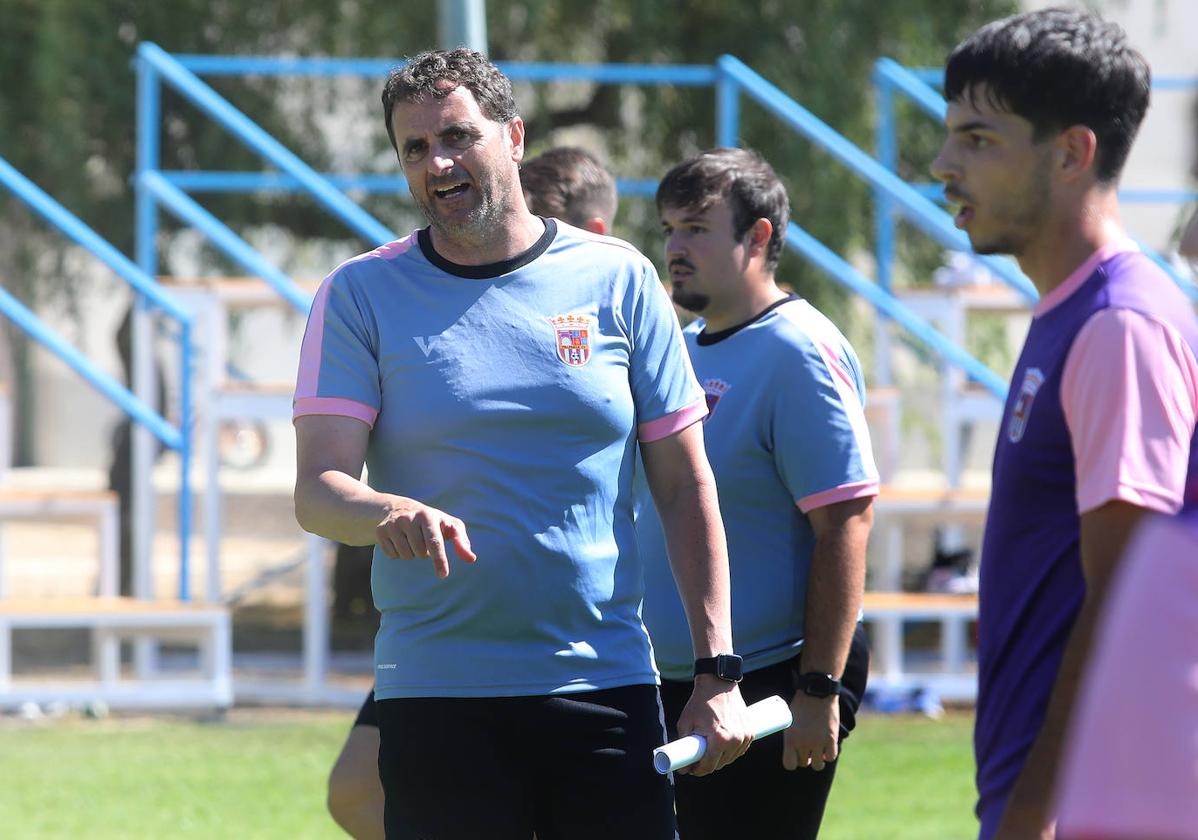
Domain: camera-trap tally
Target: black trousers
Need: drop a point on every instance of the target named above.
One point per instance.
(567, 767)
(755, 797)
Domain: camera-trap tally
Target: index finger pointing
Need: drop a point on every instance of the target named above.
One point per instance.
(436, 550)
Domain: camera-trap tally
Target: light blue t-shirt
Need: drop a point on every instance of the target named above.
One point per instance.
(510, 396)
(785, 434)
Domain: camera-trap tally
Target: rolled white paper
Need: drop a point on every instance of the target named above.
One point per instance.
(765, 717)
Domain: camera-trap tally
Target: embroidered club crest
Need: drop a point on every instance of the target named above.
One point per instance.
(572, 337)
(1033, 378)
(714, 389)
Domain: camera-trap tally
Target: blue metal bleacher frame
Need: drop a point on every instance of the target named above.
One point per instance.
(732, 82)
(730, 79)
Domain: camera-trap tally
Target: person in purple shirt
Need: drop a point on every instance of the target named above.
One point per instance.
(1121, 782)
(1099, 423)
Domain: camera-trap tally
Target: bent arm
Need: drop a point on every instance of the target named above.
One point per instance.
(332, 500)
(330, 497)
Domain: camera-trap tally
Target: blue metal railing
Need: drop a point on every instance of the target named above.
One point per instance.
(893, 308)
(177, 438)
(729, 77)
(920, 86)
(918, 210)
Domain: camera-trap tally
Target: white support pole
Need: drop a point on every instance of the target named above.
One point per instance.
(106, 652)
(108, 534)
(952, 536)
(952, 643)
(316, 616)
(142, 503)
(889, 651)
(142, 513)
(214, 353)
(222, 661)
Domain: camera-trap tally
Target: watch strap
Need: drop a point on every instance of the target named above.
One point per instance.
(726, 666)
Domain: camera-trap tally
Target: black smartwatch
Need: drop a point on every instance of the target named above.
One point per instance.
(726, 666)
(818, 685)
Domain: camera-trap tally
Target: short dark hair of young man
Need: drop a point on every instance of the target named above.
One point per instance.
(1057, 68)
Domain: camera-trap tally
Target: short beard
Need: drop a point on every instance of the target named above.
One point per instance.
(690, 301)
(478, 226)
(1025, 218)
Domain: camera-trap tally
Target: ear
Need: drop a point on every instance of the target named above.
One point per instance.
(759, 236)
(515, 130)
(595, 225)
(1077, 147)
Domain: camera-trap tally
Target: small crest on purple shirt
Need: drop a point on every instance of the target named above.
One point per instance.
(572, 334)
(714, 389)
(1033, 378)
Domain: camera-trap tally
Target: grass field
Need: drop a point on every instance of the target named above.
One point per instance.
(261, 775)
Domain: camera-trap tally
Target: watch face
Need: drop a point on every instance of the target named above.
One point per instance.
(818, 685)
(729, 668)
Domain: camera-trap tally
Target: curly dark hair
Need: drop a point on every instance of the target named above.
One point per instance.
(421, 76)
(743, 179)
(1057, 68)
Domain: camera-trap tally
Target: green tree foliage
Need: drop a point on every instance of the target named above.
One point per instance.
(820, 53)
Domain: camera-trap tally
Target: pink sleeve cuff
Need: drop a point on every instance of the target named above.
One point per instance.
(843, 493)
(335, 406)
(1160, 499)
(663, 427)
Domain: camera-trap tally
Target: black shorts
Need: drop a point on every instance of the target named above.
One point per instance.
(368, 715)
(567, 767)
(756, 796)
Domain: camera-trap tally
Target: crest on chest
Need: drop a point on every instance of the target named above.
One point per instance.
(714, 389)
(1033, 378)
(572, 336)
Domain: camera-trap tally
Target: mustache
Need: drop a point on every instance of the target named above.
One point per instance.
(955, 197)
(680, 263)
(448, 180)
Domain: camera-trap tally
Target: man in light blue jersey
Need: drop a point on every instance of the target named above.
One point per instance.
(790, 452)
(495, 372)
(566, 183)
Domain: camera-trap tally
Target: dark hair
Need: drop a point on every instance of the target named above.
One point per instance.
(1057, 68)
(740, 177)
(569, 183)
(421, 77)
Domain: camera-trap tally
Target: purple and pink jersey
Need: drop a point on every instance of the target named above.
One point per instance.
(1102, 407)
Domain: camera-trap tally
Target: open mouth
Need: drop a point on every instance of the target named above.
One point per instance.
(964, 216)
(451, 191)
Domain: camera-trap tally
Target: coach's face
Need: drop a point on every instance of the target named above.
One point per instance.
(996, 174)
(461, 166)
(705, 260)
